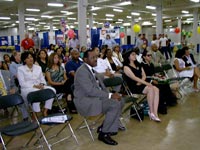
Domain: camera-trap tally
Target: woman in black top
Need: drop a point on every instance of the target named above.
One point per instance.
(136, 80)
(42, 60)
(166, 95)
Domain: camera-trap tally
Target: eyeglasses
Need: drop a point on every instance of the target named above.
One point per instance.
(149, 55)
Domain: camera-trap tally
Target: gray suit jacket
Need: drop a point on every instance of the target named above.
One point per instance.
(87, 94)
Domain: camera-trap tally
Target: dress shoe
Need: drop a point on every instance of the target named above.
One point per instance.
(112, 133)
(153, 117)
(106, 139)
(122, 128)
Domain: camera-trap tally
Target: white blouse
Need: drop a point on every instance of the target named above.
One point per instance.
(29, 77)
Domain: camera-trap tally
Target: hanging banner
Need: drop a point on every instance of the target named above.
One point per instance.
(114, 33)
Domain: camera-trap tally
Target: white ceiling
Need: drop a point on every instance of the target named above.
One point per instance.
(171, 10)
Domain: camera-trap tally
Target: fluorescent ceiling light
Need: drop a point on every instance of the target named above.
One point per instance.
(55, 4)
(150, 7)
(118, 10)
(75, 22)
(7, 0)
(94, 14)
(140, 18)
(128, 17)
(42, 22)
(67, 12)
(146, 23)
(110, 15)
(185, 12)
(71, 26)
(109, 18)
(16, 21)
(167, 20)
(135, 13)
(31, 29)
(196, 1)
(30, 19)
(126, 24)
(55, 20)
(153, 14)
(71, 18)
(32, 9)
(5, 18)
(95, 8)
(46, 16)
(120, 20)
(125, 3)
(153, 26)
(100, 23)
(190, 19)
(13, 24)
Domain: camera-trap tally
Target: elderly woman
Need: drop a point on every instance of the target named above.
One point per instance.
(31, 79)
(136, 81)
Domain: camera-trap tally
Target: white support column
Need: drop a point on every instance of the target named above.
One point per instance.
(82, 31)
(91, 19)
(21, 21)
(195, 25)
(132, 32)
(179, 34)
(159, 23)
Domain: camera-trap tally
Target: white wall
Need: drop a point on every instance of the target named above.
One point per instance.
(9, 32)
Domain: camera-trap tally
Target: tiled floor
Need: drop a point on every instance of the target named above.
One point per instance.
(179, 130)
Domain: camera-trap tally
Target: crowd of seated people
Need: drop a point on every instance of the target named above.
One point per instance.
(56, 69)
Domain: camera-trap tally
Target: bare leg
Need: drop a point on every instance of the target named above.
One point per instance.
(150, 97)
(155, 101)
(195, 82)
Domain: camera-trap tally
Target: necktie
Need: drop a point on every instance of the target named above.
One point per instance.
(2, 88)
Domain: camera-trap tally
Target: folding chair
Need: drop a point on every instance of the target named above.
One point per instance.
(133, 100)
(53, 119)
(84, 123)
(20, 128)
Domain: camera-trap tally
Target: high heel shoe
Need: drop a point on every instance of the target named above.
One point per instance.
(153, 117)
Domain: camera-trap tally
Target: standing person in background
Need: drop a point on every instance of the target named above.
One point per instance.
(109, 41)
(74, 42)
(155, 40)
(169, 46)
(27, 43)
(163, 45)
(139, 43)
(36, 41)
(88, 42)
(145, 41)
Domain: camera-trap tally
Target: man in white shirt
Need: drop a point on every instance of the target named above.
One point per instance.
(74, 43)
(163, 45)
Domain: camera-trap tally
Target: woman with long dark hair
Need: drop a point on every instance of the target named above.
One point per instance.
(136, 81)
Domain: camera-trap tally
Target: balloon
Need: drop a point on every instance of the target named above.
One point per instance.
(70, 33)
(122, 35)
(198, 30)
(107, 24)
(177, 30)
(136, 28)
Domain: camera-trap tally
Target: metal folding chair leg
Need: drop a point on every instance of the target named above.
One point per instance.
(89, 130)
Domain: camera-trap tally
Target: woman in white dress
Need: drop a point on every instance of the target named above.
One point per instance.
(31, 79)
(183, 71)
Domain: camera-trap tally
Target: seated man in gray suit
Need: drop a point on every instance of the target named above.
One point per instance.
(92, 98)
